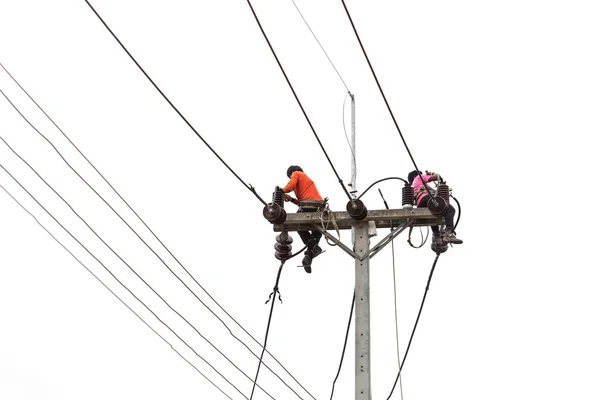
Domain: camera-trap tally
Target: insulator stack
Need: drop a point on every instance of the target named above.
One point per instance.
(278, 196)
(283, 246)
(274, 213)
(407, 196)
(438, 206)
(356, 209)
(444, 192)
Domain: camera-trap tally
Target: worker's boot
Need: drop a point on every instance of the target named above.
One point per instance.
(307, 262)
(313, 247)
(316, 251)
(449, 237)
(437, 243)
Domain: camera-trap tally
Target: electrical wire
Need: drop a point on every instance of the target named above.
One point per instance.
(344, 126)
(345, 343)
(416, 323)
(122, 219)
(381, 180)
(395, 298)
(113, 293)
(117, 279)
(459, 212)
(274, 293)
(248, 186)
(322, 48)
(129, 266)
(298, 101)
(384, 98)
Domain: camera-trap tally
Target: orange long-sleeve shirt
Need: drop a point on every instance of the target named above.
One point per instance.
(303, 187)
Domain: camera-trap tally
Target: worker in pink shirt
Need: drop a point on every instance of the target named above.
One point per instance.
(422, 197)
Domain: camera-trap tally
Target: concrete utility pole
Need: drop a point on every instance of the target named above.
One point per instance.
(362, 230)
(399, 220)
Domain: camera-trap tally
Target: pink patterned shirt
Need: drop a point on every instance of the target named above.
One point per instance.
(417, 184)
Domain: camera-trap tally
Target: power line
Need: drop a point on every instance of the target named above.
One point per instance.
(395, 298)
(113, 293)
(133, 230)
(274, 296)
(298, 100)
(416, 323)
(249, 187)
(344, 348)
(384, 98)
(322, 48)
(132, 270)
(117, 279)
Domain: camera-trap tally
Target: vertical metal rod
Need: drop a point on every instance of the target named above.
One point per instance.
(362, 314)
(353, 145)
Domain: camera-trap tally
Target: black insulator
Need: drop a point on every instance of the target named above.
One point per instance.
(437, 206)
(282, 256)
(407, 196)
(278, 196)
(283, 246)
(356, 209)
(444, 192)
(274, 213)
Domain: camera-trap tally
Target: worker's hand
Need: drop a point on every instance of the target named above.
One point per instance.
(286, 197)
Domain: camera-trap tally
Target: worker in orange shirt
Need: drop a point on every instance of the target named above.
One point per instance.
(308, 200)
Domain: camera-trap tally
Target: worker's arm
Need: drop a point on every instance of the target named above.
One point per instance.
(291, 186)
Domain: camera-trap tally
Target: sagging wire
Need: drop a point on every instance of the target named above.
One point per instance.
(395, 296)
(128, 265)
(121, 283)
(345, 343)
(381, 180)
(112, 292)
(144, 223)
(415, 326)
(271, 296)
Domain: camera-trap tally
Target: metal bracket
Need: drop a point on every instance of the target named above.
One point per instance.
(337, 242)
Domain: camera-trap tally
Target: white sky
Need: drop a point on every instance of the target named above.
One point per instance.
(501, 98)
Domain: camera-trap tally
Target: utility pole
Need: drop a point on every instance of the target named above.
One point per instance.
(362, 310)
(361, 252)
(399, 220)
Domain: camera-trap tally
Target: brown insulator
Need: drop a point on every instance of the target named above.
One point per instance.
(407, 196)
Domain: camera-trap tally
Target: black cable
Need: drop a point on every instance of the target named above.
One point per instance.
(249, 187)
(113, 293)
(381, 180)
(384, 98)
(416, 323)
(127, 264)
(345, 343)
(117, 279)
(135, 232)
(298, 100)
(459, 212)
(274, 294)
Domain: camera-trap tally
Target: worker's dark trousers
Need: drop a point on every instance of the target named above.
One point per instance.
(449, 218)
(307, 235)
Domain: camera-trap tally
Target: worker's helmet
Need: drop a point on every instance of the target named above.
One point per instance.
(412, 175)
(292, 169)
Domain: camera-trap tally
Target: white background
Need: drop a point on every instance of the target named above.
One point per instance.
(501, 98)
